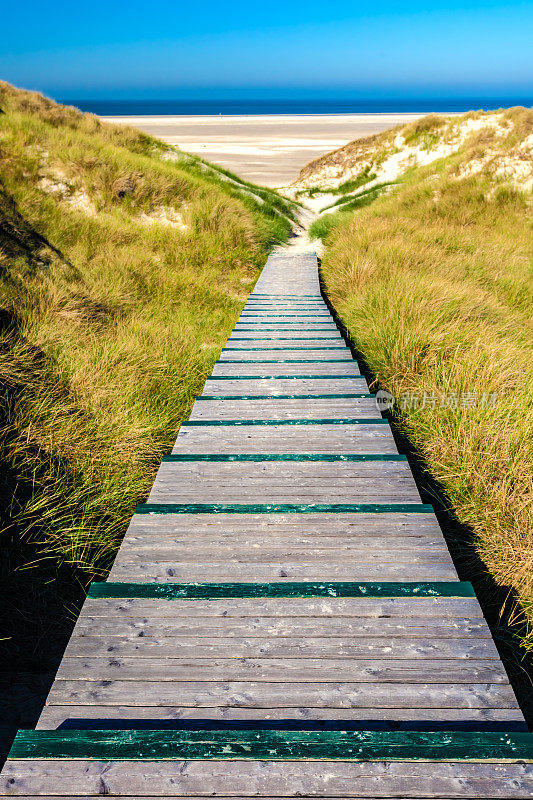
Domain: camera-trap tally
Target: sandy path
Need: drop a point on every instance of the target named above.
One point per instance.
(269, 150)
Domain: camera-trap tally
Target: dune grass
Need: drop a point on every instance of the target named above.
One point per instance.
(123, 268)
(342, 209)
(434, 285)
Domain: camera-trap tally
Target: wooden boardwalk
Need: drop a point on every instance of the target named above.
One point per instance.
(283, 618)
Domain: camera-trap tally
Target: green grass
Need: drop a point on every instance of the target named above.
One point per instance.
(434, 285)
(424, 130)
(344, 207)
(124, 265)
(365, 176)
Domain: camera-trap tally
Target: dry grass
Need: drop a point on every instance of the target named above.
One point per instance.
(109, 326)
(433, 283)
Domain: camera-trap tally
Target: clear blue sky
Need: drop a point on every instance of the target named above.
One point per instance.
(277, 48)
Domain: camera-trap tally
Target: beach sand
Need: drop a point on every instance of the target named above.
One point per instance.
(269, 150)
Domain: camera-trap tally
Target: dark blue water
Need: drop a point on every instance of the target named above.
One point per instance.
(213, 107)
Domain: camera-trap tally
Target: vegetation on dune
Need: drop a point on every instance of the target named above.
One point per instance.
(346, 187)
(124, 265)
(433, 283)
(344, 206)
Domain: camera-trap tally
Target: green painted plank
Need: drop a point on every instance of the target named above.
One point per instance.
(283, 377)
(350, 421)
(224, 457)
(219, 591)
(284, 508)
(286, 361)
(272, 745)
(357, 395)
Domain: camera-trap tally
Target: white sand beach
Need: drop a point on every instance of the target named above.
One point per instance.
(269, 150)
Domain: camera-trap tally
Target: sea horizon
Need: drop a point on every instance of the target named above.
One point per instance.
(214, 107)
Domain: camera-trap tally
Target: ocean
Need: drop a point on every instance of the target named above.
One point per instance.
(121, 108)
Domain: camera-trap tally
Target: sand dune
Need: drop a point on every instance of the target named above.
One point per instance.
(269, 150)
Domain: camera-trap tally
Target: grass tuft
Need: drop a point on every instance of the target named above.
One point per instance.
(124, 265)
(433, 283)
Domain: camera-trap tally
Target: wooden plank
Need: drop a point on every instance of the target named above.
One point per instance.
(328, 351)
(321, 464)
(293, 386)
(275, 670)
(301, 607)
(284, 409)
(242, 376)
(280, 422)
(316, 336)
(233, 797)
(249, 471)
(253, 694)
(279, 327)
(271, 551)
(302, 355)
(299, 315)
(364, 527)
(248, 481)
(378, 648)
(152, 797)
(277, 397)
(282, 570)
(356, 523)
(125, 717)
(390, 492)
(283, 508)
(327, 589)
(284, 369)
(325, 438)
(293, 746)
(368, 550)
(340, 779)
(289, 627)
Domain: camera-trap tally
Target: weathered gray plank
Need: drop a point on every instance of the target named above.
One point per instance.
(269, 552)
(286, 336)
(270, 779)
(255, 694)
(361, 607)
(284, 409)
(251, 354)
(190, 647)
(324, 524)
(152, 797)
(290, 627)
(250, 572)
(55, 715)
(368, 548)
(293, 386)
(347, 438)
(263, 492)
(264, 370)
(282, 670)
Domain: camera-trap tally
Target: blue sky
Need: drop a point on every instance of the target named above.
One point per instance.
(277, 49)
